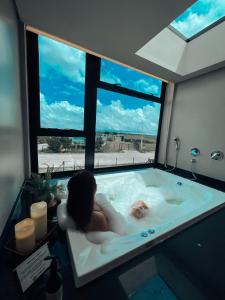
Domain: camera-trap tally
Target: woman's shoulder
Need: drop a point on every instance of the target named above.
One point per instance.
(97, 207)
(98, 222)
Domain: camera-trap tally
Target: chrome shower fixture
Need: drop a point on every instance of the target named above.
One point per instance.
(217, 155)
(193, 162)
(177, 141)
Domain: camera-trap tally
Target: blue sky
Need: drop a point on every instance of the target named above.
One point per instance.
(114, 73)
(198, 16)
(62, 80)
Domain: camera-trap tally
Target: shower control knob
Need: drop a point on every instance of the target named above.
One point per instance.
(195, 152)
(151, 231)
(217, 155)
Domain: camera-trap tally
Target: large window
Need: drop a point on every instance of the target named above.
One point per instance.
(126, 129)
(89, 113)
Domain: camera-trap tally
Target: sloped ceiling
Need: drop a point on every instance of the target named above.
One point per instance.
(133, 32)
(116, 29)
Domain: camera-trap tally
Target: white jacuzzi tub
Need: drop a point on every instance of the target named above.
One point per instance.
(175, 203)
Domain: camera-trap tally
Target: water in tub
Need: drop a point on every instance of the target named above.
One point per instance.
(165, 197)
(167, 201)
(168, 197)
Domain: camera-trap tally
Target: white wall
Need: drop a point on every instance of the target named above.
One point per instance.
(198, 118)
(11, 134)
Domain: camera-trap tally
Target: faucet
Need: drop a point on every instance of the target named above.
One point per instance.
(193, 161)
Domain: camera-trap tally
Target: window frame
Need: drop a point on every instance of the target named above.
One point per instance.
(92, 83)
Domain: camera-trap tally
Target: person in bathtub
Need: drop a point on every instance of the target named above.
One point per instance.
(81, 205)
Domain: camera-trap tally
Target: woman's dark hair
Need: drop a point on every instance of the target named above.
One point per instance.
(81, 188)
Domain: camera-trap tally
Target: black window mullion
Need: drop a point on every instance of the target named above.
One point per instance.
(163, 92)
(122, 90)
(34, 96)
(92, 76)
(60, 132)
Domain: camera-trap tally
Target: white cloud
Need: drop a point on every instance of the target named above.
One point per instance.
(146, 87)
(115, 117)
(99, 103)
(111, 117)
(198, 20)
(108, 76)
(67, 61)
(61, 114)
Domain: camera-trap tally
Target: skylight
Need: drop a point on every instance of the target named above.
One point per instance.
(199, 16)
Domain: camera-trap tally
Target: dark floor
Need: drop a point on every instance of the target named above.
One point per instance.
(155, 288)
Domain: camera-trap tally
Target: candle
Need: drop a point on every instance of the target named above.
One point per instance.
(25, 235)
(38, 212)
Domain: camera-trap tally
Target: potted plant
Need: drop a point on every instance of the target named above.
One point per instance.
(41, 189)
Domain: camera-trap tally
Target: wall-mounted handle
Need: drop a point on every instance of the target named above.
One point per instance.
(217, 155)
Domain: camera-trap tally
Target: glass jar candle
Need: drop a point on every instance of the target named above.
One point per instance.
(25, 235)
(38, 212)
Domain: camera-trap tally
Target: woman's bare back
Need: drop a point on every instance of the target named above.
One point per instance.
(98, 220)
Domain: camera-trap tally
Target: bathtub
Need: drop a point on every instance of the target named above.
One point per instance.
(174, 204)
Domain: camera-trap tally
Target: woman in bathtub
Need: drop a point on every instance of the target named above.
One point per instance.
(81, 204)
(87, 214)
